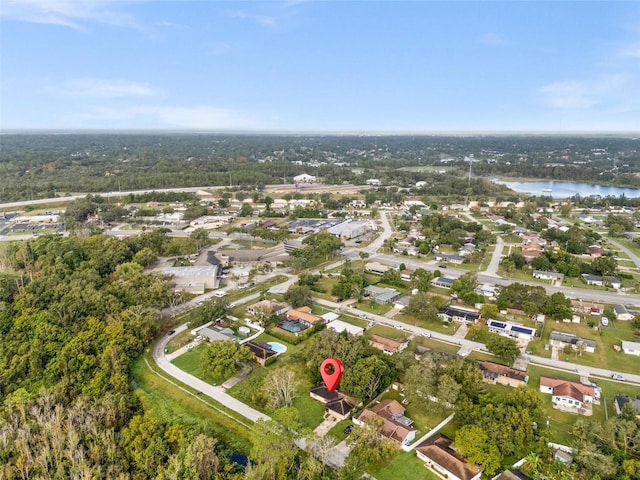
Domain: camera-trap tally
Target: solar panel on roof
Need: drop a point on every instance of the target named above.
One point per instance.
(493, 323)
(527, 330)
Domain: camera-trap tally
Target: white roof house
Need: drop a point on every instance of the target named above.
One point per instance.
(631, 348)
(339, 326)
(305, 178)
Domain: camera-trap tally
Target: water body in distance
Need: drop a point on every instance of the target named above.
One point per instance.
(569, 189)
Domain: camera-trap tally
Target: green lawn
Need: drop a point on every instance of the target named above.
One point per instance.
(436, 325)
(385, 332)
(438, 345)
(179, 340)
(311, 411)
(403, 466)
(172, 405)
(373, 307)
(190, 363)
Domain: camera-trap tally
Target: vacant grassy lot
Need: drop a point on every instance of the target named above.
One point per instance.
(386, 332)
(606, 337)
(436, 325)
(403, 466)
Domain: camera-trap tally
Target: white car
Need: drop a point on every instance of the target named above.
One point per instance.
(604, 321)
(617, 376)
(426, 334)
(219, 294)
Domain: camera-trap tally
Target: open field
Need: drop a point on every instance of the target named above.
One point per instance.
(403, 466)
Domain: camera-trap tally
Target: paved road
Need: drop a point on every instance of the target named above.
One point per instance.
(216, 393)
(492, 269)
(634, 258)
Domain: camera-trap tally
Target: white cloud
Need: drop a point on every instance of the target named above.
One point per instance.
(581, 94)
(493, 39)
(68, 13)
(200, 117)
(103, 88)
(263, 20)
(631, 51)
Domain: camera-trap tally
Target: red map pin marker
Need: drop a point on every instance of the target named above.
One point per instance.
(331, 371)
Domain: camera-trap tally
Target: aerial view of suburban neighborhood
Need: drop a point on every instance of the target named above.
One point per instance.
(319, 240)
(486, 331)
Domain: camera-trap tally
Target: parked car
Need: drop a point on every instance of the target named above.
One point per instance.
(604, 321)
(399, 327)
(442, 266)
(363, 315)
(347, 429)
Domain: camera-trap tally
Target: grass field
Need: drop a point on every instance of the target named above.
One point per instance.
(403, 466)
(171, 404)
(190, 363)
(385, 332)
(604, 356)
(436, 325)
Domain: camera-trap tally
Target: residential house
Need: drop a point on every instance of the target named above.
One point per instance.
(388, 345)
(373, 181)
(269, 307)
(443, 282)
(305, 178)
(458, 314)
(336, 404)
(406, 275)
(215, 334)
(553, 276)
(581, 307)
(438, 455)
(339, 326)
(304, 316)
(562, 339)
(596, 251)
(622, 313)
(487, 290)
(631, 348)
(567, 393)
(503, 375)
(512, 475)
(449, 258)
(381, 295)
(376, 268)
(396, 426)
(596, 280)
(261, 351)
(620, 400)
(531, 250)
(508, 329)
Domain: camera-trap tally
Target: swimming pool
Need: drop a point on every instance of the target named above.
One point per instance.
(277, 347)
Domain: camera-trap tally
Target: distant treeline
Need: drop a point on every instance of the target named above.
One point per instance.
(46, 165)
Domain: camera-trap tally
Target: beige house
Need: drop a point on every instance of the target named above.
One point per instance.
(438, 455)
(388, 345)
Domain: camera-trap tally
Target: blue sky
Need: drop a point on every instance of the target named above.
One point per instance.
(351, 66)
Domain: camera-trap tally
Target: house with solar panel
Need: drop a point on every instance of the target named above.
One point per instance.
(513, 330)
(458, 314)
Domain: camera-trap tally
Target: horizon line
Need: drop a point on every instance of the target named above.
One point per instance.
(321, 132)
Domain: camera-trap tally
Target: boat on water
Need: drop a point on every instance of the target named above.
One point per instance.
(547, 190)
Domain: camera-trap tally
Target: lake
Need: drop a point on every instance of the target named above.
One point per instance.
(569, 189)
